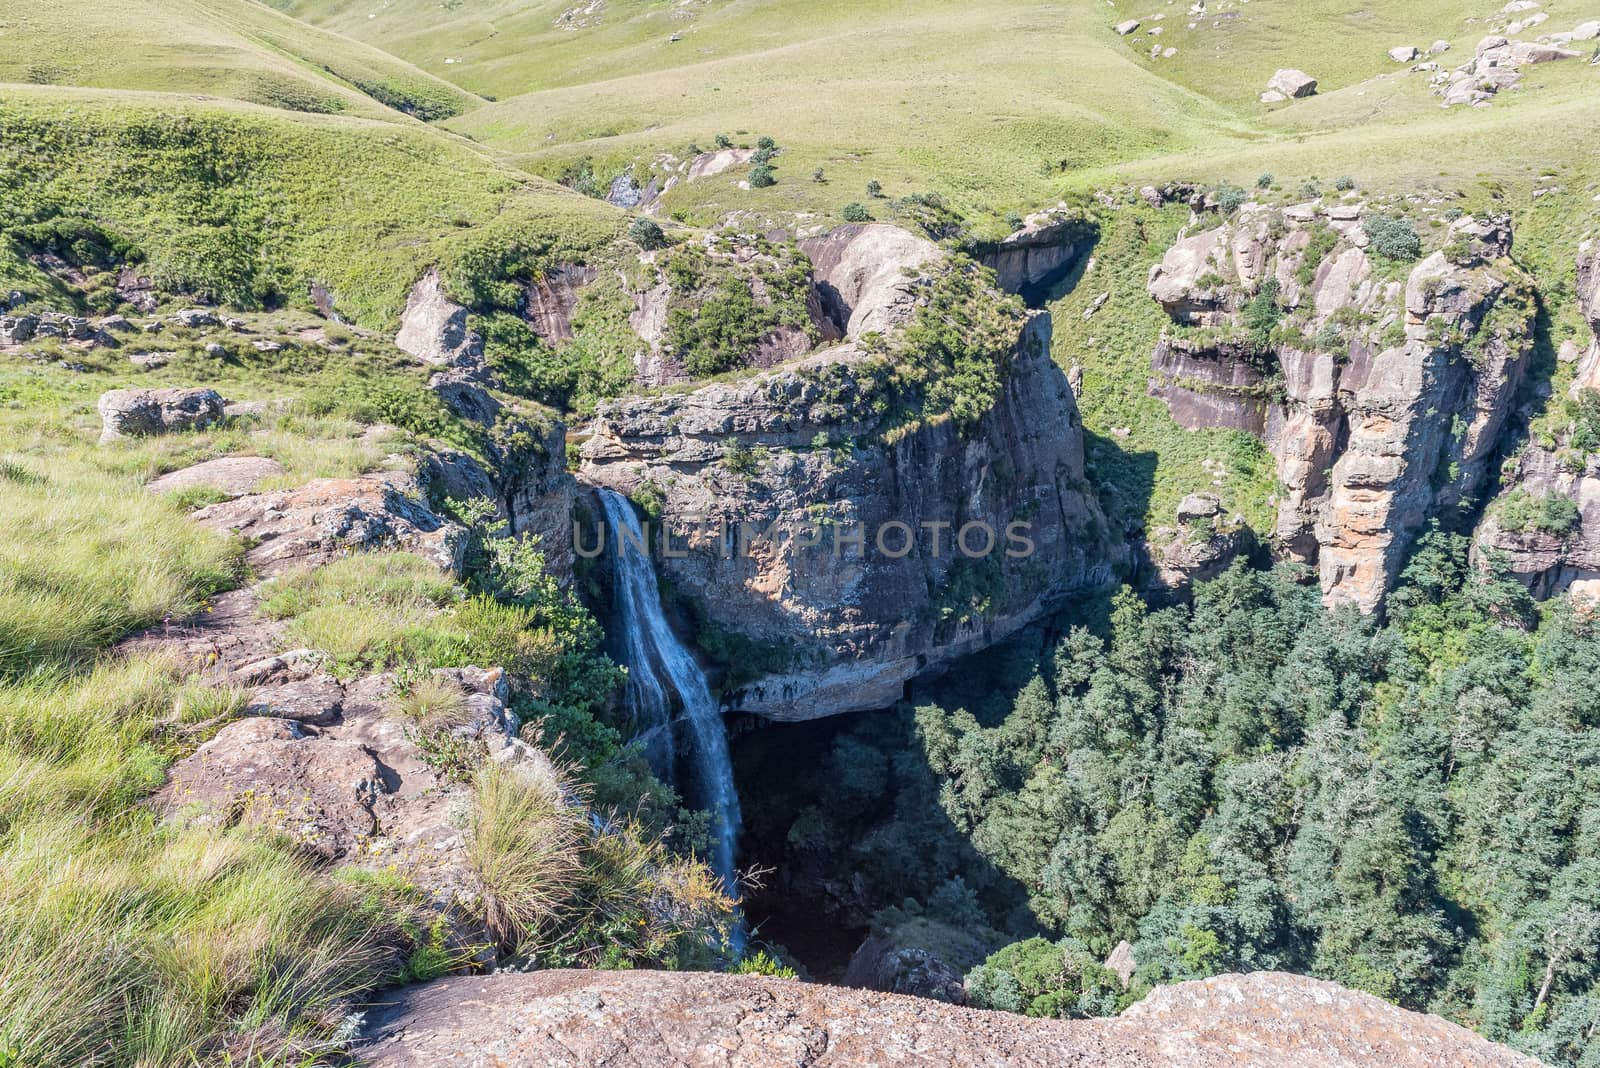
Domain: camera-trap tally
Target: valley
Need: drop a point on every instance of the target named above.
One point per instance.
(988, 526)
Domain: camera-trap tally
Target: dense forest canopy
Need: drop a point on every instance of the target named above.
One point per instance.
(1251, 782)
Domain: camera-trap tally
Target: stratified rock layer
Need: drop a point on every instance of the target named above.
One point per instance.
(1383, 403)
(805, 446)
(571, 1019)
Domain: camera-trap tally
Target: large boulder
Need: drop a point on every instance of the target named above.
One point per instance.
(433, 328)
(140, 412)
(583, 1019)
(1292, 83)
(233, 475)
(861, 272)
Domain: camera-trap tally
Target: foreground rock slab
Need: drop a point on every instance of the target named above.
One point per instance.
(573, 1018)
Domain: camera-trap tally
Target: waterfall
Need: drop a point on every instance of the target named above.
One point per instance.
(659, 667)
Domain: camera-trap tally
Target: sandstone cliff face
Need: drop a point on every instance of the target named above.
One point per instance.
(524, 466)
(1382, 401)
(569, 1018)
(805, 446)
(1545, 524)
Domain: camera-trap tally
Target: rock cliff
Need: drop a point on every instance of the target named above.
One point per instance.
(1545, 523)
(1381, 395)
(569, 1018)
(523, 463)
(819, 447)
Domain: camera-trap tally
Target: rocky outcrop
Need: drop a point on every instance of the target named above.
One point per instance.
(337, 770)
(879, 964)
(858, 275)
(1545, 524)
(574, 1019)
(140, 412)
(1039, 253)
(1497, 64)
(1382, 403)
(523, 469)
(552, 297)
(805, 451)
(321, 520)
(1199, 547)
(233, 475)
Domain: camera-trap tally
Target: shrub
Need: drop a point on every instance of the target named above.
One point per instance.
(766, 144)
(1264, 181)
(818, 176)
(761, 176)
(1393, 237)
(1015, 221)
(647, 234)
(1261, 315)
(874, 189)
(856, 212)
(723, 141)
(1344, 183)
(1041, 978)
(1230, 198)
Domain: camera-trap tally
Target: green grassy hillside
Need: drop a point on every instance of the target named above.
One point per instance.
(237, 49)
(250, 206)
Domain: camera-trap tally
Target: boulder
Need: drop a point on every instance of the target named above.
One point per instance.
(1403, 53)
(433, 328)
(864, 275)
(195, 318)
(1121, 963)
(1439, 47)
(1292, 83)
(16, 329)
(583, 1019)
(879, 964)
(322, 520)
(138, 412)
(233, 475)
(1125, 28)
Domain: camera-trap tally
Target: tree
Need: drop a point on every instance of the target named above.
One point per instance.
(647, 234)
(761, 176)
(874, 190)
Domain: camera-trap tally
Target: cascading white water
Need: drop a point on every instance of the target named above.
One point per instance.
(658, 667)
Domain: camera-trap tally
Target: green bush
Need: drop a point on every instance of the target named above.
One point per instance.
(1264, 181)
(1040, 978)
(647, 234)
(856, 212)
(761, 176)
(1393, 237)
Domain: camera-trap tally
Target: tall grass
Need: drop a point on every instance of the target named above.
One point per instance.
(89, 556)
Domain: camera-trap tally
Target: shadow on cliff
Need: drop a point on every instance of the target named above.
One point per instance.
(1124, 480)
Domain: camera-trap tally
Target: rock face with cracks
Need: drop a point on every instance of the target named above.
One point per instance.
(804, 446)
(1382, 401)
(570, 1019)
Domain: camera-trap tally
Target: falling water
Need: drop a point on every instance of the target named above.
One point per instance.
(658, 667)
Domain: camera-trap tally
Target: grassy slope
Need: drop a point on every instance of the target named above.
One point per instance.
(247, 202)
(235, 49)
